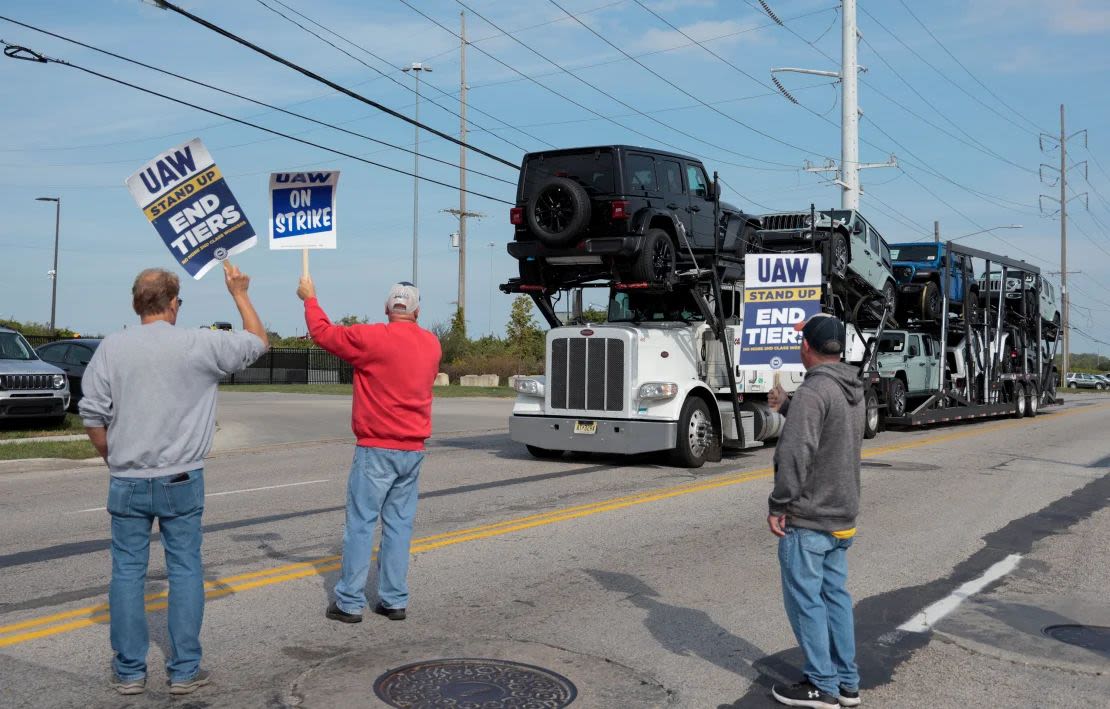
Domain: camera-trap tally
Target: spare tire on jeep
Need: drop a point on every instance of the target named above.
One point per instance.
(558, 211)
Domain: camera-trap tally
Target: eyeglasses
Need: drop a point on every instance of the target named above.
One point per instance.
(179, 302)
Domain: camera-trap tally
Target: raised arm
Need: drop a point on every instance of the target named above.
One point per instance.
(237, 284)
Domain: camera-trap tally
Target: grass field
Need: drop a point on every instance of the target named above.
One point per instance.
(34, 428)
(72, 450)
(345, 389)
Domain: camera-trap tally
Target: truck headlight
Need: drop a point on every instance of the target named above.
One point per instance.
(658, 390)
(528, 387)
(59, 381)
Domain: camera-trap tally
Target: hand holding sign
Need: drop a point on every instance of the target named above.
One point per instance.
(306, 289)
(237, 281)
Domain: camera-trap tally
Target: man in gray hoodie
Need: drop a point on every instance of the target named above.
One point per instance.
(813, 512)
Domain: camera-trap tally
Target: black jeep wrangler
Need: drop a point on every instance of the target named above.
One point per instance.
(617, 213)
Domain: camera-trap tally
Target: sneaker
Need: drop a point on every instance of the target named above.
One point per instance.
(391, 613)
(848, 697)
(334, 612)
(127, 686)
(804, 694)
(188, 686)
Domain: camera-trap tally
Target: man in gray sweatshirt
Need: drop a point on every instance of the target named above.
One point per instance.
(812, 510)
(149, 408)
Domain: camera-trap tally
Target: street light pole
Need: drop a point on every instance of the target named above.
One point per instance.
(54, 273)
(416, 68)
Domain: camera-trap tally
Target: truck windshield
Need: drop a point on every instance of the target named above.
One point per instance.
(593, 170)
(13, 346)
(633, 306)
(925, 252)
(892, 342)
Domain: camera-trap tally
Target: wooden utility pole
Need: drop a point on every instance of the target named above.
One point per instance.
(1064, 295)
(462, 164)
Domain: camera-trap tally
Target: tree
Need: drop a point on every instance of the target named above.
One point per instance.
(452, 339)
(525, 338)
(348, 320)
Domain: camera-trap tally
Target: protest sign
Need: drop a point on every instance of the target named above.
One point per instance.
(780, 290)
(185, 197)
(302, 211)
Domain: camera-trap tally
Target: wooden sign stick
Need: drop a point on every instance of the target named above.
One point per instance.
(304, 263)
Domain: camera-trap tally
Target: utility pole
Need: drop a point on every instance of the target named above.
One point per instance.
(54, 272)
(416, 68)
(463, 214)
(936, 232)
(848, 170)
(1065, 296)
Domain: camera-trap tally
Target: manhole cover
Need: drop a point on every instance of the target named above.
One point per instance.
(466, 683)
(1089, 637)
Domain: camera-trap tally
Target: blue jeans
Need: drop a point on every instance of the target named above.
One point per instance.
(382, 483)
(814, 569)
(134, 503)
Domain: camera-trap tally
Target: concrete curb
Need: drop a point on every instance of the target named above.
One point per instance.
(43, 439)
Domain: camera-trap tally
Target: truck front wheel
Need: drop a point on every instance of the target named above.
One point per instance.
(544, 453)
(695, 434)
(871, 406)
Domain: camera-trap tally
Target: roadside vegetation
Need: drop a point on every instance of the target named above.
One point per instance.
(34, 428)
(70, 450)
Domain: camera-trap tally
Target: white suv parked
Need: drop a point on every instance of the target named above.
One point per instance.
(29, 387)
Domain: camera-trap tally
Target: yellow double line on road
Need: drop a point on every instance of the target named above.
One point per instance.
(66, 621)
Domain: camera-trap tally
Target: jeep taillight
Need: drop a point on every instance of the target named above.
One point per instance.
(516, 215)
(618, 209)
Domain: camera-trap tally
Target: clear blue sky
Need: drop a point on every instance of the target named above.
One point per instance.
(969, 155)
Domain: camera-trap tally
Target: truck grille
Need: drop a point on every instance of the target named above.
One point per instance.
(11, 382)
(587, 373)
(775, 222)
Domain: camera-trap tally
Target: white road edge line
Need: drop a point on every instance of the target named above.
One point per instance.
(932, 615)
(226, 492)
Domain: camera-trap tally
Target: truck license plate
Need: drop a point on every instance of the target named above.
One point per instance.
(588, 428)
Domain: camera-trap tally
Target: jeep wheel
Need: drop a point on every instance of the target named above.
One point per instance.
(896, 403)
(838, 251)
(558, 212)
(544, 453)
(695, 435)
(971, 309)
(656, 258)
(871, 405)
(930, 302)
(888, 300)
(753, 243)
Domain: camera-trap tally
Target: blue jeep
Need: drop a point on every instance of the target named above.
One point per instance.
(919, 270)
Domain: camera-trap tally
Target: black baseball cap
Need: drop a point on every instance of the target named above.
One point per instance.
(824, 333)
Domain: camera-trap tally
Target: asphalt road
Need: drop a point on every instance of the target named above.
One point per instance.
(644, 585)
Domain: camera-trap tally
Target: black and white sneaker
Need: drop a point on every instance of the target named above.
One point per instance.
(804, 694)
(848, 697)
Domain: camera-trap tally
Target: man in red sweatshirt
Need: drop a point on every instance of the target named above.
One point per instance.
(395, 366)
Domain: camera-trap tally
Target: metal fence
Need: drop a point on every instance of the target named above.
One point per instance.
(281, 365)
(295, 365)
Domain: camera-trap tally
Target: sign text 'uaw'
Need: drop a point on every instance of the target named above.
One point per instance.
(302, 209)
(780, 290)
(185, 197)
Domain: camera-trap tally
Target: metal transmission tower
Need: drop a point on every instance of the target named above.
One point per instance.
(1061, 142)
(848, 169)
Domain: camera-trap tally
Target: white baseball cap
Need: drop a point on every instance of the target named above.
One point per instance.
(403, 297)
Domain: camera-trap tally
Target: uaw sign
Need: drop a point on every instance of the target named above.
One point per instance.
(780, 290)
(302, 210)
(185, 197)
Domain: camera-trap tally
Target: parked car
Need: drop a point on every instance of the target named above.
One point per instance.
(1031, 287)
(71, 356)
(1078, 380)
(592, 213)
(29, 387)
(860, 257)
(919, 268)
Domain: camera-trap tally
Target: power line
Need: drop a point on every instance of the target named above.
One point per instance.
(944, 76)
(244, 98)
(18, 52)
(327, 82)
(604, 93)
(968, 71)
(387, 76)
(683, 91)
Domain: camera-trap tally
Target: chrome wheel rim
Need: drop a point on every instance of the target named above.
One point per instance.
(872, 415)
(699, 433)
